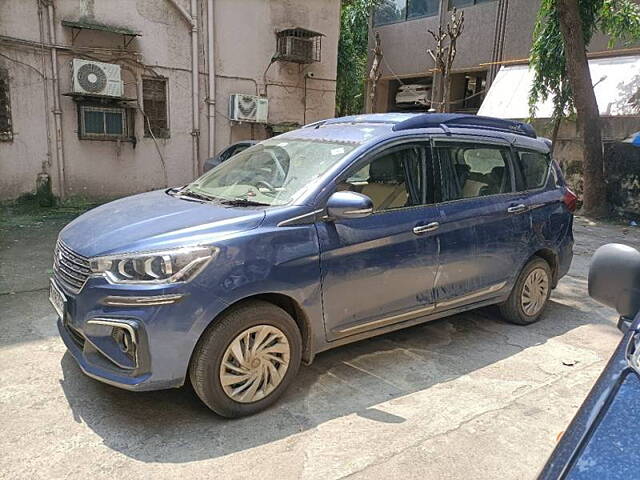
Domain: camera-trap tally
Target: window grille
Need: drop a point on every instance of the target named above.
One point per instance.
(6, 130)
(154, 96)
(298, 45)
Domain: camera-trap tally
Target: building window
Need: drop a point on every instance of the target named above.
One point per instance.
(466, 3)
(103, 123)
(422, 8)
(154, 97)
(391, 11)
(6, 131)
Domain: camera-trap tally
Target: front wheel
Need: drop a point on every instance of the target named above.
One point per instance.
(529, 295)
(246, 359)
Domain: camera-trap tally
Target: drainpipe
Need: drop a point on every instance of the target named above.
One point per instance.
(57, 111)
(192, 18)
(195, 133)
(211, 101)
(47, 120)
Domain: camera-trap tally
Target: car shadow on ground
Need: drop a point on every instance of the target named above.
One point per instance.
(173, 426)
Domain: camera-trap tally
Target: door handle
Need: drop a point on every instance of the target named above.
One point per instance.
(517, 208)
(431, 227)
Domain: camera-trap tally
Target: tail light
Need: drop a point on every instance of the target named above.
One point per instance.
(570, 199)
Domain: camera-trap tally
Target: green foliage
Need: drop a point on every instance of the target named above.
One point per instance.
(352, 56)
(619, 19)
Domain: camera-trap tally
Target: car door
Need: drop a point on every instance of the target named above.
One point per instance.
(380, 270)
(484, 226)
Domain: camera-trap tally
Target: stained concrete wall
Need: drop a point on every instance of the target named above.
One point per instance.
(244, 45)
(621, 160)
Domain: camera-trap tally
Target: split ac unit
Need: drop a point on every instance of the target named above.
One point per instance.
(96, 78)
(248, 108)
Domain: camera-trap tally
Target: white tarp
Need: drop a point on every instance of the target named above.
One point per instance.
(616, 83)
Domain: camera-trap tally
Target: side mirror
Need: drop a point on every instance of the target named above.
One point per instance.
(614, 279)
(349, 205)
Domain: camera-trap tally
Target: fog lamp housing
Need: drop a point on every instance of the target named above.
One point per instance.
(124, 340)
(124, 335)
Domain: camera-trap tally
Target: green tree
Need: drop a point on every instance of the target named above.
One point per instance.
(559, 60)
(352, 55)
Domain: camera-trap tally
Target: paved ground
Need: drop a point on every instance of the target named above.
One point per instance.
(465, 397)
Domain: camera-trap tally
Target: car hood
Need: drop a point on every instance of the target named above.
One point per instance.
(152, 221)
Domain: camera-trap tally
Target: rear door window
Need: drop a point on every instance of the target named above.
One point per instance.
(469, 170)
(532, 170)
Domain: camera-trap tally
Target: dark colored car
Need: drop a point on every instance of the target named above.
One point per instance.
(603, 439)
(323, 236)
(227, 153)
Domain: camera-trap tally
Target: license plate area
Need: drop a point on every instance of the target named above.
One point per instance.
(57, 299)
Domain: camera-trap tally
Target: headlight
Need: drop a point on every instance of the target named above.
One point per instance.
(169, 266)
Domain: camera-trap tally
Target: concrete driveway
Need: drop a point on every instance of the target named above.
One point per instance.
(464, 397)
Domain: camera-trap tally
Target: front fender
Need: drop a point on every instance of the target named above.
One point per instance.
(273, 260)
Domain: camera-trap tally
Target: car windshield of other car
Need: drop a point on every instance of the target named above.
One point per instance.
(273, 172)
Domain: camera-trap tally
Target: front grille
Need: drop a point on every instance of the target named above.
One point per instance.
(70, 269)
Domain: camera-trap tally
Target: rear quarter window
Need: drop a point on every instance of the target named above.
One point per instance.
(532, 169)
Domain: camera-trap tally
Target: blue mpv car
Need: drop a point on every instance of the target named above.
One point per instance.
(326, 235)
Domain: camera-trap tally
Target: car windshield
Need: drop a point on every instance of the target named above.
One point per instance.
(273, 172)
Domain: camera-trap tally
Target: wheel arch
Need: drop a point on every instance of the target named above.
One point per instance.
(285, 302)
(293, 308)
(551, 258)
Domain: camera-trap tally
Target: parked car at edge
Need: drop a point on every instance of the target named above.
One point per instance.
(339, 231)
(227, 153)
(602, 440)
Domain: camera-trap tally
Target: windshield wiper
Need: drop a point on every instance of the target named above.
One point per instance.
(243, 202)
(187, 193)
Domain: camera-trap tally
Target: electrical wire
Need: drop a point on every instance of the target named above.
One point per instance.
(155, 141)
(23, 64)
(384, 59)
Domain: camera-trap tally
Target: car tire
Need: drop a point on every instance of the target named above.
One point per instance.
(254, 340)
(530, 294)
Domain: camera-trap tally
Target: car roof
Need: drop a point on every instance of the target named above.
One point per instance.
(360, 129)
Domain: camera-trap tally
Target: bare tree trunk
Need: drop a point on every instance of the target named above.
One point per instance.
(446, 89)
(588, 115)
(556, 130)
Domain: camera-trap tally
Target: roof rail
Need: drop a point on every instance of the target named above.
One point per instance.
(462, 120)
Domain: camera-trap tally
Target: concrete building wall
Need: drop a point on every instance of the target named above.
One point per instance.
(476, 42)
(405, 43)
(22, 158)
(244, 44)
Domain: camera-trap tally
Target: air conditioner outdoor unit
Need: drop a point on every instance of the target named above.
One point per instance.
(248, 108)
(96, 78)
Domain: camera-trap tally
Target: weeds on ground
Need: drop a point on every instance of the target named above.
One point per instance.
(26, 211)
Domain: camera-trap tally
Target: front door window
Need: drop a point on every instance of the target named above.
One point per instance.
(392, 180)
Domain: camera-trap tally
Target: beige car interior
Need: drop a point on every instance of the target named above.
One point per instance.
(384, 182)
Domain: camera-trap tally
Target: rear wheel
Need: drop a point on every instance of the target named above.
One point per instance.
(529, 295)
(247, 359)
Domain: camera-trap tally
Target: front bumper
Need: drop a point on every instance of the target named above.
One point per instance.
(164, 334)
(91, 362)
